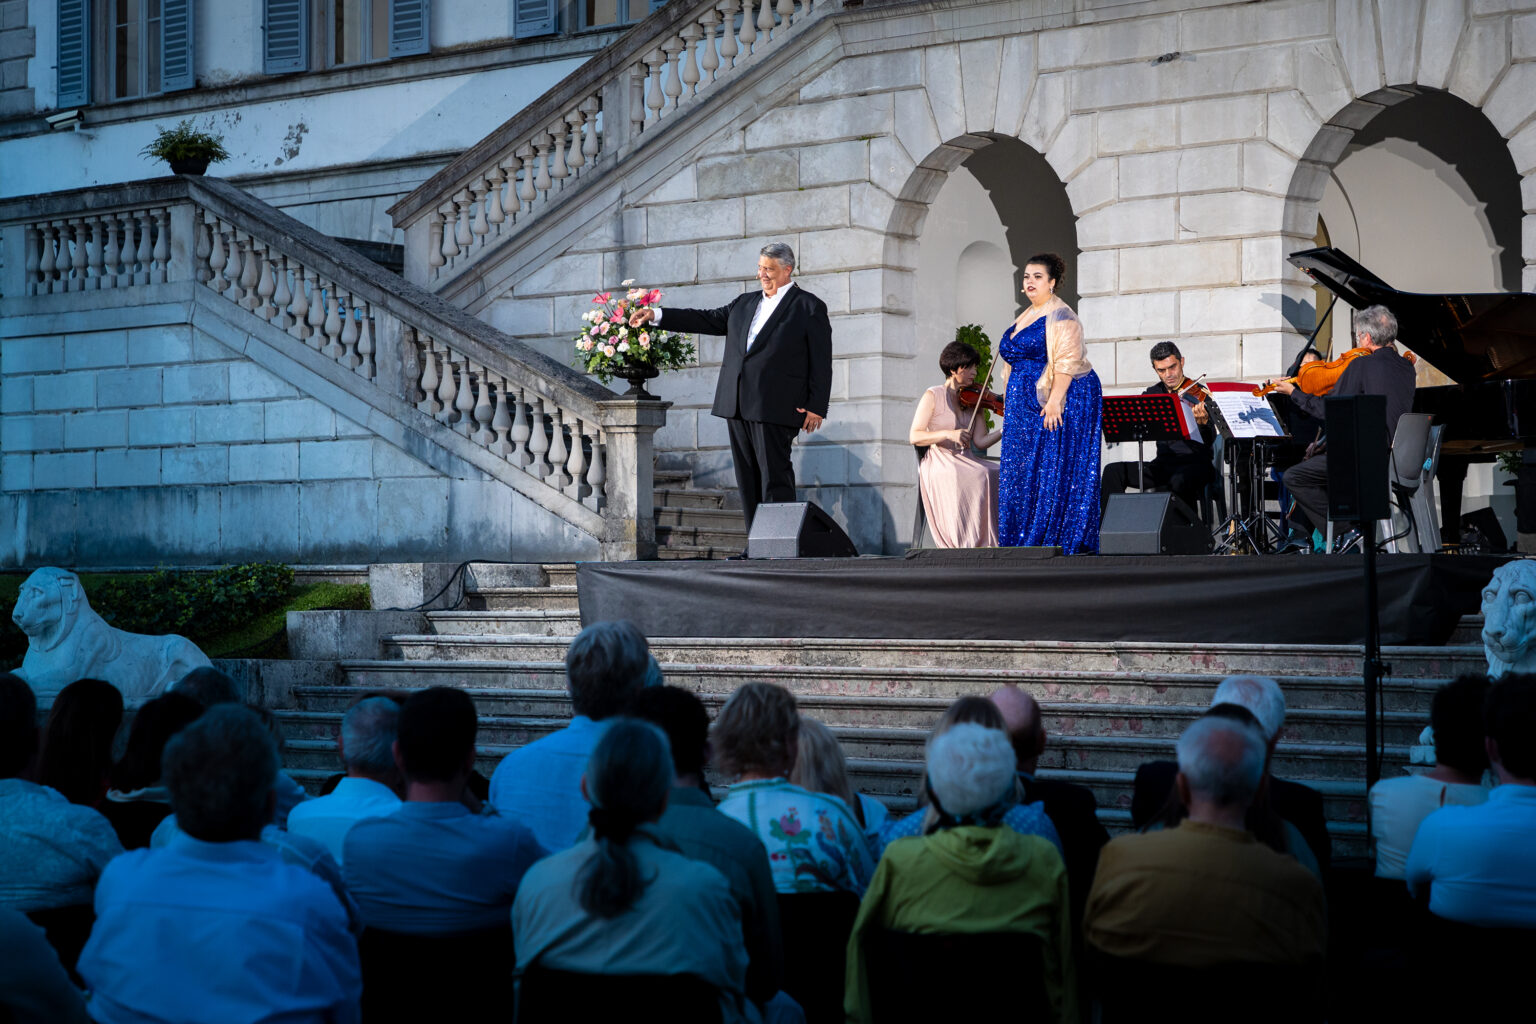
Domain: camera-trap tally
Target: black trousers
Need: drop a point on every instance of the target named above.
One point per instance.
(1185, 477)
(1308, 483)
(764, 471)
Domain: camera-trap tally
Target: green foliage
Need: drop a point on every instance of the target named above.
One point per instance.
(976, 339)
(1509, 462)
(185, 142)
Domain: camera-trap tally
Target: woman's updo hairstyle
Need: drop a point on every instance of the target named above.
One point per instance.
(628, 778)
(957, 355)
(1055, 266)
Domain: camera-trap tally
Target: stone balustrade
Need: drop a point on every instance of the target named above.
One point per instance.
(678, 56)
(552, 433)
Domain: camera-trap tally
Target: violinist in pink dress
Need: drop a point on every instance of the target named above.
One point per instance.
(958, 490)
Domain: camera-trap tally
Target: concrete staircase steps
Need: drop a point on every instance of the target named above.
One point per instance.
(690, 497)
(707, 535)
(680, 551)
(506, 599)
(695, 522)
(553, 622)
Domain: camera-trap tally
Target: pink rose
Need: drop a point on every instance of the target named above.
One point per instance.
(602, 328)
(645, 338)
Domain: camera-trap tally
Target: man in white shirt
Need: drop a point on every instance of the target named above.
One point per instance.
(366, 745)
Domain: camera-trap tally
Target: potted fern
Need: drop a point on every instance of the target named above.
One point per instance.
(186, 149)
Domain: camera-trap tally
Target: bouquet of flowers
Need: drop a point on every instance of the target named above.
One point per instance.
(609, 347)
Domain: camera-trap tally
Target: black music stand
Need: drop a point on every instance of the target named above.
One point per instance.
(1253, 530)
(1143, 418)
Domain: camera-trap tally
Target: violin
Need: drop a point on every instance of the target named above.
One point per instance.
(1317, 377)
(1192, 391)
(970, 394)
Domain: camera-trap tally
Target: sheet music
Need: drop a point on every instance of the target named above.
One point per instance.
(1187, 414)
(1247, 415)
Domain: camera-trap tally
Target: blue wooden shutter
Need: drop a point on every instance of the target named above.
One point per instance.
(74, 53)
(408, 27)
(534, 18)
(286, 44)
(176, 38)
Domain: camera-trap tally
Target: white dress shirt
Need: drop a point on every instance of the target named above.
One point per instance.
(326, 819)
(1400, 805)
(765, 310)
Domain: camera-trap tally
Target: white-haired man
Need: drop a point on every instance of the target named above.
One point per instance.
(973, 874)
(371, 788)
(1206, 892)
(1301, 806)
(775, 372)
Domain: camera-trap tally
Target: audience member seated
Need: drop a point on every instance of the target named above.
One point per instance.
(1399, 805)
(1476, 863)
(209, 686)
(51, 851)
(1071, 808)
(76, 754)
(821, 767)
(434, 866)
(1300, 806)
(814, 842)
(1206, 893)
(137, 801)
(969, 876)
(34, 987)
(700, 832)
(216, 926)
(1027, 818)
(618, 903)
(367, 748)
(539, 784)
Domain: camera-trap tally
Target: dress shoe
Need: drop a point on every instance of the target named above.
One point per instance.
(1349, 542)
(1295, 545)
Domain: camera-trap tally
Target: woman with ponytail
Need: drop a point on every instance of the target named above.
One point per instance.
(618, 902)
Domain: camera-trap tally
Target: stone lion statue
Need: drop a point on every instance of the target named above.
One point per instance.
(66, 641)
(1509, 618)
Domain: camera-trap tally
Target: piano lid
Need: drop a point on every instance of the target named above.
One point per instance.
(1470, 338)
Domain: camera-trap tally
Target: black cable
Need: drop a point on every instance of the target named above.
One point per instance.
(452, 577)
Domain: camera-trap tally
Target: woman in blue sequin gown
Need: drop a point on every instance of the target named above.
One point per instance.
(1049, 484)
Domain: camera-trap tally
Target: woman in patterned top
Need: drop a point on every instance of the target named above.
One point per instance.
(814, 842)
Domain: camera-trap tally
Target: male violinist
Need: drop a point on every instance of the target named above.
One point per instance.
(1183, 467)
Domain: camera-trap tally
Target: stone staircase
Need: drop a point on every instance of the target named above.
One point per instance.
(696, 522)
(1108, 708)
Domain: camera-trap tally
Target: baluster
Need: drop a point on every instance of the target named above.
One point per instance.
(250, 271)
(765, 20)
(728, 45)
(538, 443)
(597, 475)
(429, 403)
(316, 335)
(710, 61)
(557, 169)
(160, 271)
(333, 348)
(654, 100)
(299, 329)
(266, 287)
(638, 114)
(691, 35)
(282, 295)
(450, 246)
(33, 240)
(576, 465)
(674, 83)
(465, 403)
(435, 253)
(501, 423)
(462, 236)
(365, 346)
(511, 204)
(557, 449)
(493, 211)
(542, 180)
(125, 254)
(574, 158)
(146, 250)
(218, 259)
(46, 260)
(232, 293)
(349, 335)
(748, 30)
(82, 258)
(478, 226)
(200, 251)
(447, 389)
(93, 264)
(786, 11)
(526, 193)
(520, 431)
(482, 408)
(590, 107)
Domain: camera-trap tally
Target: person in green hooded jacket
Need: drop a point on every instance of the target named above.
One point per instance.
(973, 875)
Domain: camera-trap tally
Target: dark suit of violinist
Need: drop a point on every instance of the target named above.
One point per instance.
(1183, 467)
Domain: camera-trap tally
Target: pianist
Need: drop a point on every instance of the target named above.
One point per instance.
(1382, 372)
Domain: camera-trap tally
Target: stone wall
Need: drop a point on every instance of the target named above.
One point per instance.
(18, 45)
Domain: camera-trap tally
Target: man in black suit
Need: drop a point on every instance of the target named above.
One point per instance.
(1183, 467)
(1300, 805)
(1071, 808)
(775, 376)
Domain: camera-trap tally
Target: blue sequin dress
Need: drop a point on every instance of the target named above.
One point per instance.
(1049, 484)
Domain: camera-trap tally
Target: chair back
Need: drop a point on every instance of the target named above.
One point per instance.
(459, 976)
(1129, 990)
(68, 929)
(920, 516)
(1409, 444)
(919, 975)
(547, 996)
(816, 926)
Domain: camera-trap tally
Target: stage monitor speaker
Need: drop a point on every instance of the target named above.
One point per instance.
(797, 529)
(1481, 532)
(1152, 524)
(1358, 450)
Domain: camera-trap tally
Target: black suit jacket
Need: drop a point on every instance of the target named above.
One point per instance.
(1074, 812)
(1300, 805)
(789, 366)
(1184, 451)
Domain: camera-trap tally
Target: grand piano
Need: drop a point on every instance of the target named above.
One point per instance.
(1486, 343)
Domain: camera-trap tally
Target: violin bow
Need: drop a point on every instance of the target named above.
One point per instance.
(971, 427)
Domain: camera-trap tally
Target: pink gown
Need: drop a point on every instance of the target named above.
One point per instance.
(959, 491)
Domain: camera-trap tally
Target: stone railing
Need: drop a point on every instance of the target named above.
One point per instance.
(666, 64)
(556, 436)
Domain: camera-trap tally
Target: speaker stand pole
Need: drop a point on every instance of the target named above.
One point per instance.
(1374, 670)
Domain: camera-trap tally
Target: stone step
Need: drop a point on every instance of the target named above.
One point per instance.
(1468, 631)
(689, 497)
(550, 622)
(702, 537)
(681, 479)
(560, 574)
(686, 551)
(547, 598)
(710, 520)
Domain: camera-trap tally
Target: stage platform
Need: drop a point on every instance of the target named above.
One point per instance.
(1018, 594)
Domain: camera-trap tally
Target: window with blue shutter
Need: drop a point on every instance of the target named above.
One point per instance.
(408, 23)
(286, 44)
(533, 18)
(176, 37)
(74, 63)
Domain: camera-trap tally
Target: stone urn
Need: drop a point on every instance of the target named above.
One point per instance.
(637, 374)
